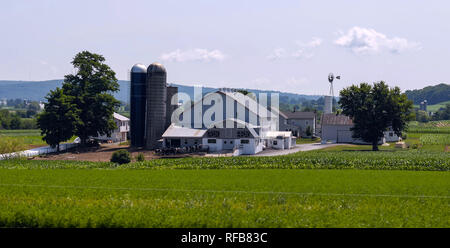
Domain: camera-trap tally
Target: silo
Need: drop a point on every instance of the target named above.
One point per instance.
(156, 104)
(328, 105)
(172, 91)
(138, 104)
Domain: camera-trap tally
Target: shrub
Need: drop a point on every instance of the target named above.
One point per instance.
(140, 157)
(121, 157)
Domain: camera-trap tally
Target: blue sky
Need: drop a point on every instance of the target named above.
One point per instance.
(281, 45)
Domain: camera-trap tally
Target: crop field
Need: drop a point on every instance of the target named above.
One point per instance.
(429, 127)
(223, 198)
(30, 138)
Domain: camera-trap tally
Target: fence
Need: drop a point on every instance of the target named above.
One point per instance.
(37, 151)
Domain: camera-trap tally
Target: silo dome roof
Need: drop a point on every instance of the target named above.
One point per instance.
(156, 68)
(139, 68)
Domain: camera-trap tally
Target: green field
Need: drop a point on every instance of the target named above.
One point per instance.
(435, 107)
(30, 138)
(224, 198)
(389, 189)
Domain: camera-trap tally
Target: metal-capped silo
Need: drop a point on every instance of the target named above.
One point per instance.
(138, 106)
(156, 104)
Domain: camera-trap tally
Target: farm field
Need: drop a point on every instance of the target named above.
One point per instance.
(223, 198)
(435, 107)
(29, 138)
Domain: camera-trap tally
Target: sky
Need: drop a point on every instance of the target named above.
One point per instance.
(290, 46)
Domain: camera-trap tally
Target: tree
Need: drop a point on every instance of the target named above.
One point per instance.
(375, 108)
(91, 89)
(443, 113)
(59, 118)
(422, 116)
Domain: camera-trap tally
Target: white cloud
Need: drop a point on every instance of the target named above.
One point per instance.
(368, 41)
(197, 54)
(304, 50)
(315, 42)
(278, 53)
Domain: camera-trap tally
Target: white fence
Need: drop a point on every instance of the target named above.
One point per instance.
(37, 151)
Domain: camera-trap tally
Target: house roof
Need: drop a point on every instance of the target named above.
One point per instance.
(300, 115)
(183, 132)
(120, 117)
(333, 119)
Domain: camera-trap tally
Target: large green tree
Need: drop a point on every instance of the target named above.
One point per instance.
(374, 109)
(91, 89)
(59, 118)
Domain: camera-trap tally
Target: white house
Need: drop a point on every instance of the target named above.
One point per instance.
(120, 133)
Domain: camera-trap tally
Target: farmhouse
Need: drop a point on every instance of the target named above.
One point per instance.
(336, 129)
(120, 133)
(298, 122)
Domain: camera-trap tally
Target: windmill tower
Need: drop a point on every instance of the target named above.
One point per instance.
(329, 99)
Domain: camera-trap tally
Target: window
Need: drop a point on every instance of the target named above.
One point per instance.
(391, 134)
(231, 142)
(275, 143)
(245, 141)
(224, 141)
(211, 141)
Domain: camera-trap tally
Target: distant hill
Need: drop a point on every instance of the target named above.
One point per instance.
(433, 94)
(37, 90)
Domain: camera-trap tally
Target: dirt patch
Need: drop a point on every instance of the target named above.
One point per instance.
(104, 153)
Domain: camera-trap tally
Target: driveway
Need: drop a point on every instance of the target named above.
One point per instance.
(297, 148)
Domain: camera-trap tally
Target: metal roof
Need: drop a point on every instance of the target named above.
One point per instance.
(139, 68)
(333, 119)
(156, 68)
(120, 117)
(183, 132)
(300, 115)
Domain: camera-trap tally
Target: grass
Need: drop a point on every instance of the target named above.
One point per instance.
(307, 141)
(223, 198)
(435, 107)
(31, 138)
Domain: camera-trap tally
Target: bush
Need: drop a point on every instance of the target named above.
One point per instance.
(140, 157)
(121, 157)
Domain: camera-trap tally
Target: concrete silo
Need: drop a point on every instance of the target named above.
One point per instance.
(138, 93)
(156, 104)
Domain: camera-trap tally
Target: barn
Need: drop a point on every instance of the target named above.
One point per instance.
(336, 129)
(247, 132)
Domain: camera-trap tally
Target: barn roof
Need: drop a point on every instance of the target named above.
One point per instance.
(333, 119)
(183, 132)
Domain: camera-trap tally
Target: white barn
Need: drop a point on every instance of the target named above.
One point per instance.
(246, 132)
